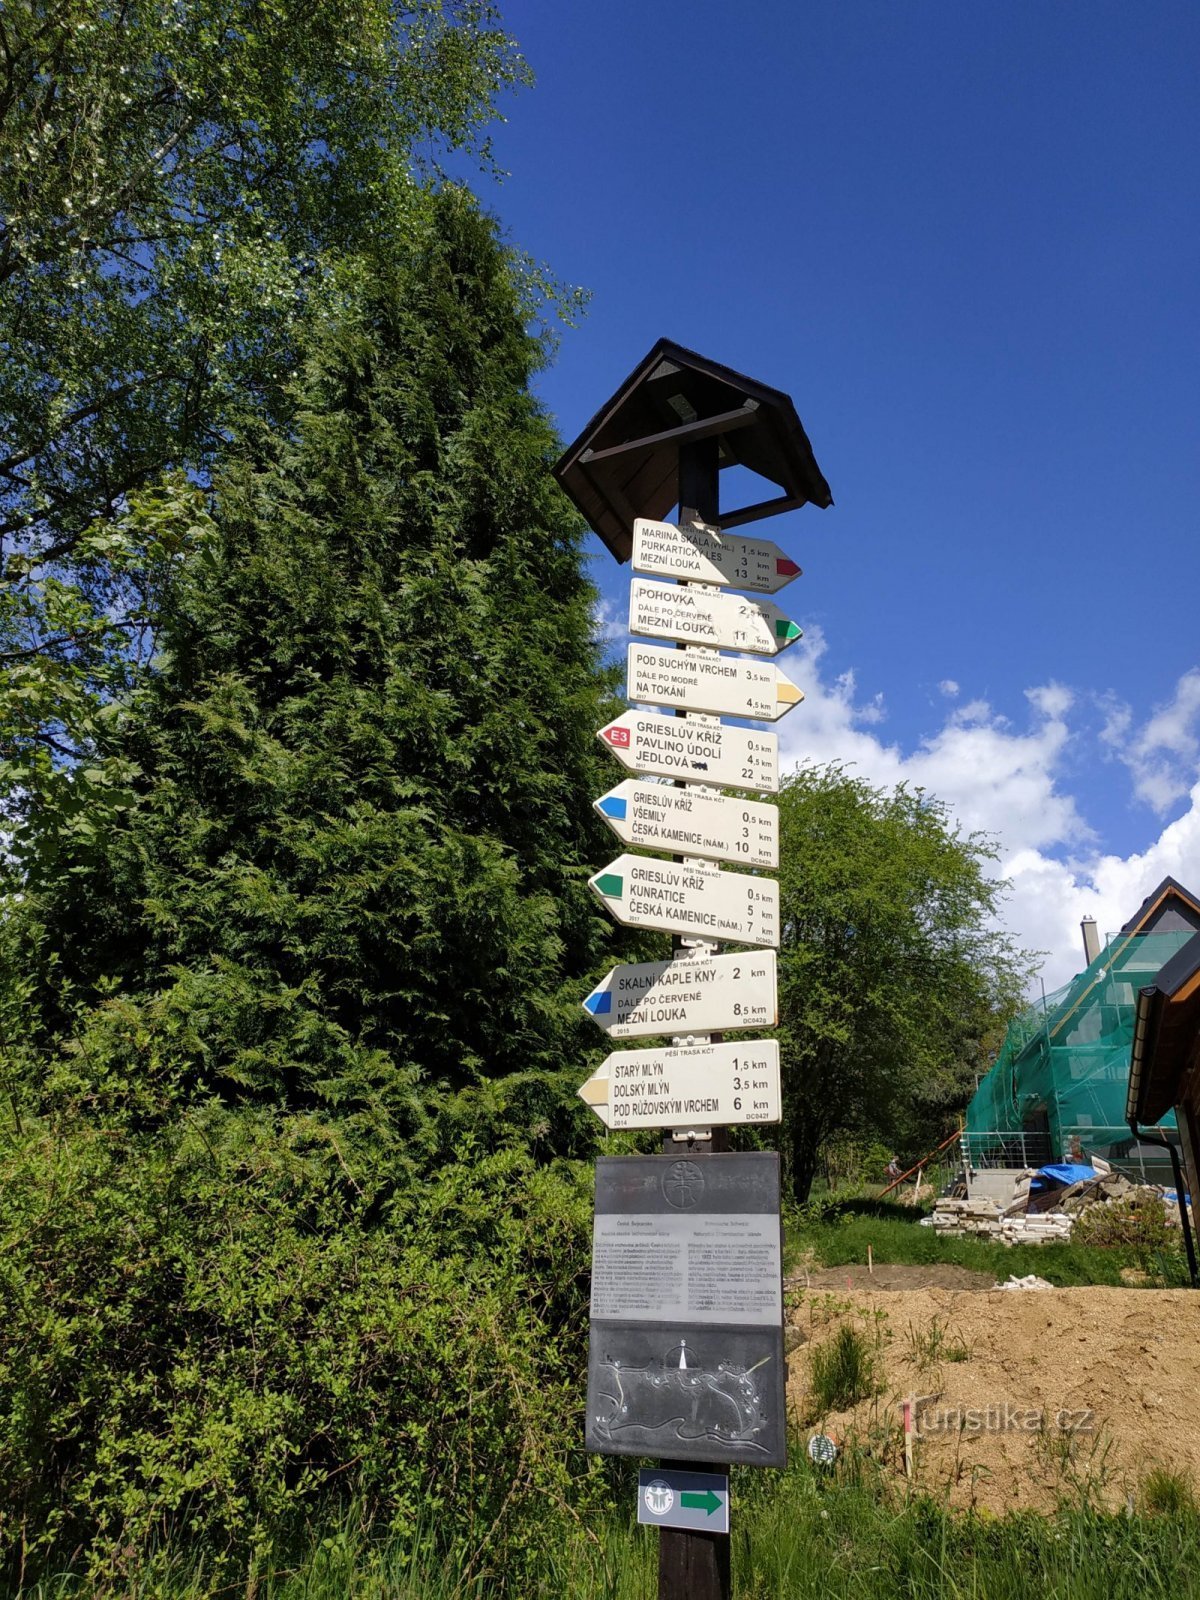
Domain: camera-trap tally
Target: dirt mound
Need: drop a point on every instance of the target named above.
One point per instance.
(1021, 1398)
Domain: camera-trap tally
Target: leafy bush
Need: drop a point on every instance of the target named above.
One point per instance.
(227, 1328)
(1137, 1223)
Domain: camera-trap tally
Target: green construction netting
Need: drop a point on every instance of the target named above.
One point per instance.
(1061, 1077)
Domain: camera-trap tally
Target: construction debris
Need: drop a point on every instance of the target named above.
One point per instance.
(1043, 1209)
(1030, 1281)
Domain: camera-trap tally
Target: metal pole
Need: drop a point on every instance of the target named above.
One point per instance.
(695, 1566)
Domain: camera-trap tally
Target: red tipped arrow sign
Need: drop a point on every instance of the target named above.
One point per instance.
(700, 752)
(699, 554)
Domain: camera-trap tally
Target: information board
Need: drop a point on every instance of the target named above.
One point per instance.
(685, 1355)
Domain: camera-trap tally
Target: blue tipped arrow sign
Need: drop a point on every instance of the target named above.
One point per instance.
(691, 994)
(692, 822)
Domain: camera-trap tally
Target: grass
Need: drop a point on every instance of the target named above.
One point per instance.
(929, 1347)
(1167, 1494)
(841, 1535)
(843, 1371)
(837, 1234)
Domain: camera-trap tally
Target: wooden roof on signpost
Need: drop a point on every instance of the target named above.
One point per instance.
(625, 463)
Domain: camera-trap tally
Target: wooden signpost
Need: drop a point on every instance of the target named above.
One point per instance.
(686, 1350)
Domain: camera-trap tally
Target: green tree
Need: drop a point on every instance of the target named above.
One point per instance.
(359, 825)
(296, 1033)
(893, 975)
(173, 180)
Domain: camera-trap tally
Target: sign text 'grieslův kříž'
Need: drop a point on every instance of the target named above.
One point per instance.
(696, 752)
(690, 899)
(692, 822)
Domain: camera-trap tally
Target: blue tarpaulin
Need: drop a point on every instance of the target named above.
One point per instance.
(1068, 1172)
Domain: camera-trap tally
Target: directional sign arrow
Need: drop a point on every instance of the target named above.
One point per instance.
(708, 1502)
(699, 554)
(713, 1085)
(713, 753)
(691, 994)
(693, 680)
(692, 822)
(675, 897)
(722, 621)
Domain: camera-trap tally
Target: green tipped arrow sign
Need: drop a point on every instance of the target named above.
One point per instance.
(697, 616)
(708, 1502)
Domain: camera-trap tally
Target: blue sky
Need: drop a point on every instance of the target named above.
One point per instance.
(965, 239)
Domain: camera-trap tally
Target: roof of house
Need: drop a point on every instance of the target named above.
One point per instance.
(1167, 891)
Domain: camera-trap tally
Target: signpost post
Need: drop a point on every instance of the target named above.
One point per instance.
(686, 1350)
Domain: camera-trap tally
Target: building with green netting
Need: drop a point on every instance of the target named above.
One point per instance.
(1058, 1088)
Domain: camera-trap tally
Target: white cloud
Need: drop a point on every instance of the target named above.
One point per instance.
(1009, 782)
(1164, 756)
(948, 687)
(609, 625)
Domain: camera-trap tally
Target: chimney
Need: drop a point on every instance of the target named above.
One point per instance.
(1091, 939)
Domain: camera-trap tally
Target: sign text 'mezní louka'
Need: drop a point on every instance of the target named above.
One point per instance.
(695, 553)
(690, 994)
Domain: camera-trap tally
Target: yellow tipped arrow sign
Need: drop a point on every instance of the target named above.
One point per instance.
(708, 1085)
(692, 680)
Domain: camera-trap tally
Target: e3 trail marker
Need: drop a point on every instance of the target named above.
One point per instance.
(696, 752)
(694, 553)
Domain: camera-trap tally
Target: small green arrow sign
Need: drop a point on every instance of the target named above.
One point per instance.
(787, 630)
(708, 1502)
(611, 884)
